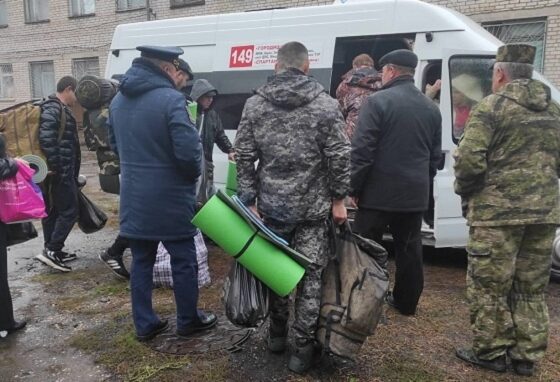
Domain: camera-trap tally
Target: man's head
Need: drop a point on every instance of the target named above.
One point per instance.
(361, 61)
(513, 62)
(203, 92)
(292, 55)
(184, 74)
(397, 63)
(165, 57)
(65, 90)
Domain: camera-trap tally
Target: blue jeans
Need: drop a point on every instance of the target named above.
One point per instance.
(184, 268)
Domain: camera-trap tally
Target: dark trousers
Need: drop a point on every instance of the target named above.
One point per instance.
(6, 308)
(184, 270)
(119, 246)
(61, 198)
(406, 230)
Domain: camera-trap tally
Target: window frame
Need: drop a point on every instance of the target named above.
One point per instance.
(4, 6)
(3, 96)
(514, 22)
(33, 82)
(78, 15)
(76, 61)
(128, 9)
(175, 4)
(26, 12)
(450, 79)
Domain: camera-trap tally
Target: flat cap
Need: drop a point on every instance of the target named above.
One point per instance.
(400, 57)
(164, 53)
(519, 53)
(185, 67)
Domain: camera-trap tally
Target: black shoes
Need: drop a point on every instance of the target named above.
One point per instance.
(526, 368)
(206, 321)
(161, 327)
(277, 336)
(115, 264)
(390, 300)
(18, 325)
(497, 364)
(301, 359)
(53, 259)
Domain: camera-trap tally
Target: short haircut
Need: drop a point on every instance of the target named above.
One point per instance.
(292, 55)
(403, 69)
(516, 70)
(362, 60)
(66, 81)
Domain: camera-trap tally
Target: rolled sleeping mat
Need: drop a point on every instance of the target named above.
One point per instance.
(93, 92)
(38, 165)
(237, 238)
(231, 181)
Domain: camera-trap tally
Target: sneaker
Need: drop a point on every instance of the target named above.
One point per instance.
(206, 321)
(526, 368)
(53, 259)
(161, 327)
(67, 257)
(115, 263)
(497, 364)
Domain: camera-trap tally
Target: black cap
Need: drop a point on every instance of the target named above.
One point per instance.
(185, 67)
(400, 57)
(164, 53)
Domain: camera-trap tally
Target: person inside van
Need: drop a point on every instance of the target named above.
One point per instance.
(466, 93)
(359, 83)
(209, 125)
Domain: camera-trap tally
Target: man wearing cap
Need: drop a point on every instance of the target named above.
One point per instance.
(159, 151)
(209, 126)
(506, 168)
(395, 152)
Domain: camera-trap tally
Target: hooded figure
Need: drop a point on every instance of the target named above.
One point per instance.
(357, 84)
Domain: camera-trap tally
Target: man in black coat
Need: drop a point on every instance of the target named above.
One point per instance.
(395, 152)
(58, 138)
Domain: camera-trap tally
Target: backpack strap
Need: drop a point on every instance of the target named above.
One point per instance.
(62, 125)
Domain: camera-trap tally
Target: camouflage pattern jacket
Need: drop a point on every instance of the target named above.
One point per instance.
(295, 131)
(355, 87)
(96, 136)
(508, 160)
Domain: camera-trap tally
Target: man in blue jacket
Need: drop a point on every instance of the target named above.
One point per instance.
(160, 154)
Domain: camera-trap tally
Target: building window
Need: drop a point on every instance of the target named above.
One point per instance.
(36, 10)
(125, 5)
(185, 3)
(42, 79)
(528, 32)
(6, 81)
(82, 7)
(85, 66)
(3, 13)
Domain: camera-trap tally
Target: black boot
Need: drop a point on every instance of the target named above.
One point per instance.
(526, 368)
(497, 364)
(302, 357)
(277, 336)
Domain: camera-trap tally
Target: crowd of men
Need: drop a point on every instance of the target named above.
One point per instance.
(301, 158)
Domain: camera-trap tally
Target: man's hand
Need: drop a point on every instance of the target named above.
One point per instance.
(339, 211)
(432, 90)
(254, 210)
(354, 201)
(231, 156)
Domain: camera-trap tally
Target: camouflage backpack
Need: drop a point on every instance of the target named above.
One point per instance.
(20, 126)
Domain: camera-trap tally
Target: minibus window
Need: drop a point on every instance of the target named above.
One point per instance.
(471, 81)
(230, 107)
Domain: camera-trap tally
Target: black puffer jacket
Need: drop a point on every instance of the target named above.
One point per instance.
(8, 166)
(63, 157)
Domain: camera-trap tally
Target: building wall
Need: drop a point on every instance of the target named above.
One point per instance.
(65, 38)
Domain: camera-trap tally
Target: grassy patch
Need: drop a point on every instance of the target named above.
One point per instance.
(408, 370)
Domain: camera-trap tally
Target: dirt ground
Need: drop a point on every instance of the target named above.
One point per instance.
(80, 326)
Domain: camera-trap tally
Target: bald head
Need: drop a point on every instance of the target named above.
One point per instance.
(292, 55)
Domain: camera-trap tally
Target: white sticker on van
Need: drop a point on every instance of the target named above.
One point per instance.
(258, 56)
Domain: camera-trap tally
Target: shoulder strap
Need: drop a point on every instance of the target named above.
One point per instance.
(62, 125)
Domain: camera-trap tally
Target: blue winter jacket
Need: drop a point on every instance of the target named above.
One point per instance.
(160, 152)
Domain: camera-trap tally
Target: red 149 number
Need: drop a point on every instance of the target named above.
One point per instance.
(241, 56)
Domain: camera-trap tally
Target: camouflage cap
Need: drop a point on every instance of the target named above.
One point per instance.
(520, 53)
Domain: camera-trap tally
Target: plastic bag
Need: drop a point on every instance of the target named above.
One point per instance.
(246, 297)
(20, 233)
(91, 218)
(20, 198)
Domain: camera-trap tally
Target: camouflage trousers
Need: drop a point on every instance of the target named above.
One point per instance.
(508, 271)
(310, 239)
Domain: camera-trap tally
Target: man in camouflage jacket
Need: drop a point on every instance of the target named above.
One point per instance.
(295, 131)
(506, 169)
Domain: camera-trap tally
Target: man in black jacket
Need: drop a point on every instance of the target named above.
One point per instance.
(58, 138)
(395, 152)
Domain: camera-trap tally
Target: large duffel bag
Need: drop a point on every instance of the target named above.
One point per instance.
(355, 284)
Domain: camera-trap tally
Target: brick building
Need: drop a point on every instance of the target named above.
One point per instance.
(42, 40)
